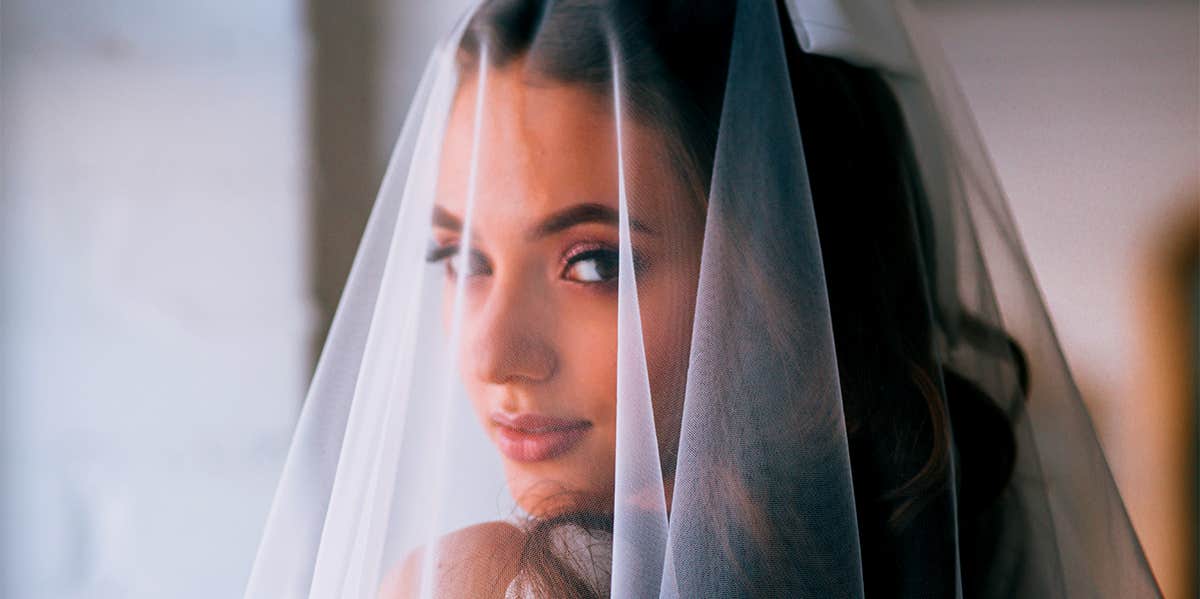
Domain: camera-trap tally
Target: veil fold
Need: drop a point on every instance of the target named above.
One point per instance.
(824, 369)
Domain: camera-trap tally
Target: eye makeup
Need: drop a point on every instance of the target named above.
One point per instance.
(588, 263)
(591, 263)
(477, 263)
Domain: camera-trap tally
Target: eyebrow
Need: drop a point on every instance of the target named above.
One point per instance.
(580, 214)
(589, 212)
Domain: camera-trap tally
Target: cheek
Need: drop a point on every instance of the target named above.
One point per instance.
(667, 305)
(587, 342)
(476, 389)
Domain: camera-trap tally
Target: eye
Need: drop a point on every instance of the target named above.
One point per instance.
(476, 263)
(592, 266)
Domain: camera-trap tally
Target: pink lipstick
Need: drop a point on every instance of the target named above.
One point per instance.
(533, 437)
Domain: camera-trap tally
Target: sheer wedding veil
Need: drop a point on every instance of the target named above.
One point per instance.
(823, 370)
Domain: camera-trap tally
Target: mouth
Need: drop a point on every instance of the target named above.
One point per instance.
(535, 438)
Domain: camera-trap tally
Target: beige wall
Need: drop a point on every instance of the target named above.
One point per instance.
(1091, 113)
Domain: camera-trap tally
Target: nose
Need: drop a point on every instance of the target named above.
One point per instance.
(508, 339)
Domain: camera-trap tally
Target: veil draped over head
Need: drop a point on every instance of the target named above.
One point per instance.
(693, 299)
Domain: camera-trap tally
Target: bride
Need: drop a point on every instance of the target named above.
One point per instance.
(693, 299)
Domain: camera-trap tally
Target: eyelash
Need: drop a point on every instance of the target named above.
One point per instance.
(577, 254)
(445, 253)
(589, 251)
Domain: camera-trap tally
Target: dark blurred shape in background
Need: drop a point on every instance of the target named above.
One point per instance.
(183, 185)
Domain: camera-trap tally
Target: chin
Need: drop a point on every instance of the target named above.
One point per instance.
(580, 482)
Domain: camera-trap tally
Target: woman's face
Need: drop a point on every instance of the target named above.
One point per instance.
(539, 289)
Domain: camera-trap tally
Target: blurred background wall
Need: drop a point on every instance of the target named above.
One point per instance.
(182, 186)
(155, 293)
(1091, 111)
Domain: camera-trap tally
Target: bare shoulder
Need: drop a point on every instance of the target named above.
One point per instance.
(476, 561)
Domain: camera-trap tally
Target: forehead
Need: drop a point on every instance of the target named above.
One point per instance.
(536, 146)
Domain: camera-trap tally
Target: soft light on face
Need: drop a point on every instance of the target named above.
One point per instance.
(539, 315)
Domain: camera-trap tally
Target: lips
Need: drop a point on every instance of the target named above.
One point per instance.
(534, 438)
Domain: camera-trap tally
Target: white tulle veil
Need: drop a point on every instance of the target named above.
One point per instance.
(832, 373)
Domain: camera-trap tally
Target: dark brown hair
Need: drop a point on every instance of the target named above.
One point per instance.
(909, 417)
